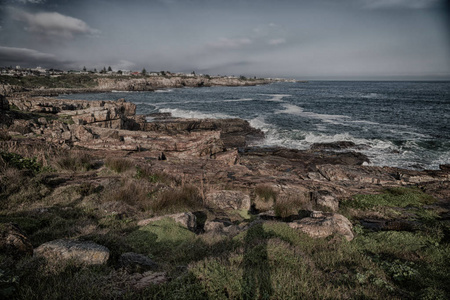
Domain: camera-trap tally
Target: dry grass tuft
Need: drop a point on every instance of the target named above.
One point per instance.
(119, 165)
(75, 161)
(289, 205)
(186, 198)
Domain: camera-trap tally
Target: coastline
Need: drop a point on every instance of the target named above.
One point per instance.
(133, 175)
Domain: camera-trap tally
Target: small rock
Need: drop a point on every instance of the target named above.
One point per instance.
(323, 226)
(150, 278)
(13, 241)
(326, 199)
(229, 199)
(187, 220)
(83, 252)
(134, 262)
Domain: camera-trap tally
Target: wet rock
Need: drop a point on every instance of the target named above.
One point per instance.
(136, 263)
(82, 252)
(187, 220)
(323, 225)
(229, 199)
(333, 146)
(13, 241)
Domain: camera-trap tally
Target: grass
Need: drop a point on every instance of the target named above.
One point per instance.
(149, 174)
(392, 197)
(186, 198)
(75, 161)
(119, 165)
(288, 205)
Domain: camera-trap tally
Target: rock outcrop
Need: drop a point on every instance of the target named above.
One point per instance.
(81, 252)
(187, 220)
(321, 225)
(229, 200)
(13, 241)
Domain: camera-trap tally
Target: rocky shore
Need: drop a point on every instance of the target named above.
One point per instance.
(96, 84)
(235, 187)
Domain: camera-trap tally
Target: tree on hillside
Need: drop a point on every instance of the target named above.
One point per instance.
(84, 69)
(95, 70)
(119, 72)
(144, 72)
(109, 69)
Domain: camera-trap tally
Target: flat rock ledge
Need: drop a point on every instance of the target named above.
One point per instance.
(187, 220)
(226, 199)
(82, 252)
(321, 225)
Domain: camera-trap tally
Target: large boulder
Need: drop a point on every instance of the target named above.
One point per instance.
(81, 252)
(13, 241)
(321, 225)
(187, 220)
(229, 200)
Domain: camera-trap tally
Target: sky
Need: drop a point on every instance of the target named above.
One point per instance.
(302, 39)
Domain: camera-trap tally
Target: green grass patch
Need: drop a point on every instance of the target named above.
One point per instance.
(392, 197)
(22, 163)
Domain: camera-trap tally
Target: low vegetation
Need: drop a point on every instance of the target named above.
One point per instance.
(269, 260)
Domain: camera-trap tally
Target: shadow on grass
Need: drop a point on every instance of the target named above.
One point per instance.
(256, 281)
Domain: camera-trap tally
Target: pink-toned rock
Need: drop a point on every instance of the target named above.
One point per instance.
(187, 220)
(322, 226)
(82, 252)
(229, 199)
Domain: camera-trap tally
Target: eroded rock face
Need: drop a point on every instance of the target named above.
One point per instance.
(187, 220)
(13, 241)
(321, 225)
(82, 252)
(229, 200)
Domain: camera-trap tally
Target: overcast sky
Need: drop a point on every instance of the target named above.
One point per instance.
(303, 39)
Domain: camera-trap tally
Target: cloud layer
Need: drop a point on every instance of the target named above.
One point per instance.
(52, 24)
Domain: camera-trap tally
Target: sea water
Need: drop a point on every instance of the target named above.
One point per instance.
(401, 124)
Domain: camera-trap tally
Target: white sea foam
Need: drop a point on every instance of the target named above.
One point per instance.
(298, 111)
(276, 97)
(189, 114)
(164, 91)
(237, 100)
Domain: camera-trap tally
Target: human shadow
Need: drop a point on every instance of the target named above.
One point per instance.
(256, 281)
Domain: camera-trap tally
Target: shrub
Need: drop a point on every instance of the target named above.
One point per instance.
(176, 200)
(119, 165)
(21, 163)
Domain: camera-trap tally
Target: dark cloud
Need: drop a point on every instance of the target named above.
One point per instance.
(27, 57)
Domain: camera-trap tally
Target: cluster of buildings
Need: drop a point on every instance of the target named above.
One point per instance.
(39, 71)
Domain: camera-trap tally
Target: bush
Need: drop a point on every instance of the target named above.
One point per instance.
(266, 193)
(22, 163)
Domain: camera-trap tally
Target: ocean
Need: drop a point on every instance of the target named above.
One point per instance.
(398, 124)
